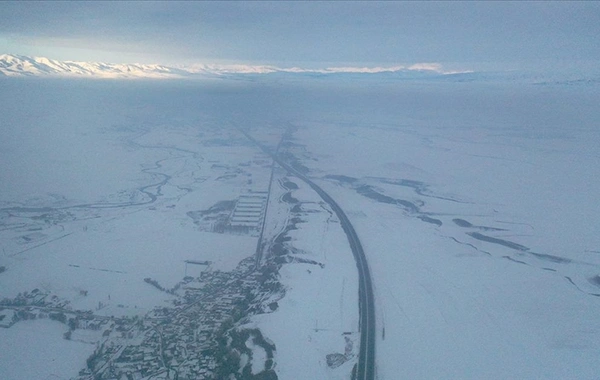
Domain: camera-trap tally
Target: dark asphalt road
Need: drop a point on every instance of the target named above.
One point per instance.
(366, 358)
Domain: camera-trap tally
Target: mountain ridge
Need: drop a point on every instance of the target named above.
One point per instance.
(13, 65)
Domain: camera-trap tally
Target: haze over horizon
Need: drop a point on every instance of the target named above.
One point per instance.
(460, 36)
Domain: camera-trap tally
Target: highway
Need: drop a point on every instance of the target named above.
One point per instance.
(365, 369)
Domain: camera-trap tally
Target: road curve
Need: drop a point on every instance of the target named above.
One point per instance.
(366, 359)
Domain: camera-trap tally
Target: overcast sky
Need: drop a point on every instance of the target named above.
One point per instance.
(304, 33)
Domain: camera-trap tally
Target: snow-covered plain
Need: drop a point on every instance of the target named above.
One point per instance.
(476, 205)
(37, 350)
(97, 182)
(318, 315)
(520, 164)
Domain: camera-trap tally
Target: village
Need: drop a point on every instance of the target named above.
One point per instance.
(202, 333)
(185, 341)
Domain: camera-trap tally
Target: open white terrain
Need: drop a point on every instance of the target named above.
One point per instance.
(476, 205)
(477, 210)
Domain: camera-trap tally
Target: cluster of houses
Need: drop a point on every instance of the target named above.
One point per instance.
(33, 305)
(180, 341)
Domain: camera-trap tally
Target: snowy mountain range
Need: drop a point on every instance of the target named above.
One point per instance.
(17, 65)
(24, 66)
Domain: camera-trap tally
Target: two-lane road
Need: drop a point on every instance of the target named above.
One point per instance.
(366, 359)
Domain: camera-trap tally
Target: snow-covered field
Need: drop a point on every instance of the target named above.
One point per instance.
(476, 205)
(318, 315)
(96, 186)
(37, 350)
(520, 165)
